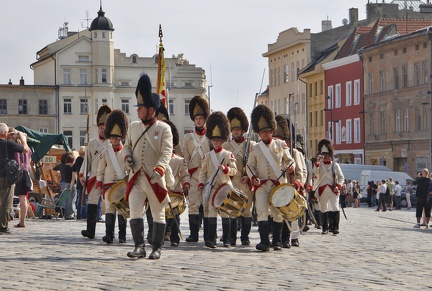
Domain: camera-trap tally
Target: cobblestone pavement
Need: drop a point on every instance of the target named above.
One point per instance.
(374, 251)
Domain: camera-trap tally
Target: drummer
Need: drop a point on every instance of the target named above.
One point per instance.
(283, 132)
(238, 145)
(181, 184)
(111, 171)
(217, 167)
(266, 165)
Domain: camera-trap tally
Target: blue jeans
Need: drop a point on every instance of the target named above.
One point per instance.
(70, 201)
(373, 199)
(81, 210)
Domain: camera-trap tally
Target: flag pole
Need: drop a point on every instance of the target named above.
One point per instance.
(160, 84)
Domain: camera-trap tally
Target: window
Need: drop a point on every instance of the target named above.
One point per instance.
(406, 124)
(337, 126)
(96, 76)
(43, 130)
(95, 34)
(103, 34)
(348, 130)
(425, 73)
(125, 105)
(67, 106)
(43, 107)
(83, 106)
(271, 78)
(396, 78)
(338, 96)
(330, 100)
(278, 75)
(66, 76)
(356, 92)
(357, 130)
(83, 58)
(330, 130)
(404, 77)
(104, 75)
(418, 119)
(171, 106)
(315, 88)
(348, 93)
(371, 83)
(83, 76)
(417, 75)
(321, 87)
(134, 59)
(104, 101)
(286, 74)
(186, 106)
(22, 106)
(397, 120)
(383, 122)
(426, 117)
(3, 106)
(382, 81)
(68, 135)
(82, 137)
(292, 72)
(372, 123)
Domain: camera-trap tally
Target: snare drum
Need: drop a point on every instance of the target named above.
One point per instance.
(116, 195)
(288, 201)
(177, 203)
(229, 200)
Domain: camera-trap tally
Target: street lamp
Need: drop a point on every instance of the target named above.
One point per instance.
(429, 36)
(331, 116)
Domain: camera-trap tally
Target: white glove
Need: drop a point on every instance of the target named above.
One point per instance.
(155, 177)
(129, 164)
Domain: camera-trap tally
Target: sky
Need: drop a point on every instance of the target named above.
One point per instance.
(225, 37)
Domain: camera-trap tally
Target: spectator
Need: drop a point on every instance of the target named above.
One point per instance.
(356, 191)
(8, 148)
(397, 195)
(382, 188)
(408, 192)
(349, 196)
(65, 168)
(390, 185)
(81, 210)
(422, 181)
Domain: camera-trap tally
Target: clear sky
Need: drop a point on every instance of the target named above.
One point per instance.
(228, 36)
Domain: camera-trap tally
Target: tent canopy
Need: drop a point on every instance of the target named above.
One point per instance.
(41, 142)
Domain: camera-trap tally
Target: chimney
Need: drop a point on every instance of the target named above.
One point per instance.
(353, 14)
(22, 81)
(10, 82)
(326, 25)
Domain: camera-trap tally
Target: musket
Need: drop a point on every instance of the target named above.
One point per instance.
(83, 195)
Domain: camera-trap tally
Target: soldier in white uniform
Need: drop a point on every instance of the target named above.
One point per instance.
(240, 147)
(89, 168)
(297, 178)
(147, 152)
(328, 180)
(111, 171)
(195, 146)
(217, 167)
(267, 161)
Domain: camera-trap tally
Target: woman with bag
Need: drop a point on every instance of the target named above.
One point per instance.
(422, 182)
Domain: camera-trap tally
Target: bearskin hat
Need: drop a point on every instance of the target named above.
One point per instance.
(102, 114)
(325, 146)
(282, 131)
(174, 131)
(116, 124)
(144, 95)
(237, 119)
(262, 118)
(300, 143)
(218, 126)
(162, 113)
(198, 106)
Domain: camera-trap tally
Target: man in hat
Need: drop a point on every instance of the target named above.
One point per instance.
(147, 152)
(111, 171)
(195, 146)
(217, 167)
(328, 179)
(240, 147)
(269, 159)
(297, 178)
(89, 168)
(181, 184)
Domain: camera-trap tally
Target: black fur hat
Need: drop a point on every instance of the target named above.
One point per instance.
(282, 131)
(198, 106)
(116, 124)
(144, 95)
(102, 114)
(237, 118)
(218, 126)
(325, 146)
(162, 113)
(262, 118)
(174, 131)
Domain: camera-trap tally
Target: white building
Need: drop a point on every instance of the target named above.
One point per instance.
(88, 72)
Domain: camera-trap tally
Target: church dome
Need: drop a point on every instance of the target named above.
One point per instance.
(101, 22)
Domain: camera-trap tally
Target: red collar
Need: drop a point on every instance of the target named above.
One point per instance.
(241, 140)
(200, 131)
(117, 148)
(327, 163)
(218, 150)
(268, 142)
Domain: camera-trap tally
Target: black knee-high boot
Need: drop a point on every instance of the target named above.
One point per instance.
(91, 221)
(245, 230)
(233, 231)
(122, 224)
(109, 228)
(174, 236)
(276, 229)
(137, 229)
(212, 228)
(330, 215)
(149, 217)
(263, 227)
(318, 219)
(158, 240)
(336, 219)
(286, 234)
(226, 225)
(194, 228)
(324, 221)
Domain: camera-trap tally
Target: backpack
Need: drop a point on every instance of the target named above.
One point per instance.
(387, 193)
(12, 171)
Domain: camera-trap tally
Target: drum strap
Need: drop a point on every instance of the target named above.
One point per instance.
(198, 145)
(115, 163)
(237, 149)
(216, 164)
(270, 158)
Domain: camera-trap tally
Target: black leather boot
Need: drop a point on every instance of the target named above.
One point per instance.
(263, 227)
(158, 240)
(324, 221)
(205, 228)
(336, 220)
(174, 236)
(330, 215)
(226, 225)
(109, 228)
(150, 226)
(122, 224)
(245, 230)
(318, 219)
(277, 229)
(194, 227)
(233, 231)
(212, 228)
(91, 221)
(137, 229)
(286, 233)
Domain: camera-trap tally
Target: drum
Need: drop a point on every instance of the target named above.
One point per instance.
(288, 201)
(116, 195)
(177, 203)
(229, 200)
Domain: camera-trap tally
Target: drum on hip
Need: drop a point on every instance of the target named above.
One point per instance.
(116, 195)
(177, 203)
(288, 201)
(229, 200)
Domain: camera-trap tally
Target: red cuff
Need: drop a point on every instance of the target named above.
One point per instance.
(200, 185)
(160, 170)
(125, 158)
(186, 184)
(226, 170)
(339, 186)
(297, 184)
(317, 165)
(99, 185)
(81, 175)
